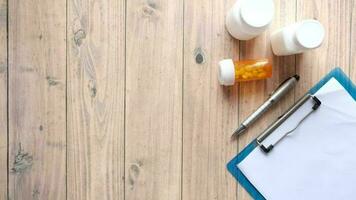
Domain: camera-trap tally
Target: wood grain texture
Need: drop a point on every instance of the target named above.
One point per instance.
(37, 117)
(3, 99)
(352, 42)
(335, 50)
(253, 94)
(96, 75)
(154, 99)
(209, 110)
(119, 99)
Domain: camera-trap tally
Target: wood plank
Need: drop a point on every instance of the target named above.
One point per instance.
(253, 94)
(3, 99)
(96, 82)
(352, 42)
(37, 82)
(154, 99)
(335, 50)
(209, 110)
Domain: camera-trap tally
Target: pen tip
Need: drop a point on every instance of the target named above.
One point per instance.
(238, 131)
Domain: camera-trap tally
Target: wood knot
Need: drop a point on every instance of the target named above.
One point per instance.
(199, 56)
(35, 194)
(92, 88)
(52, 81)
(23, 161)
(150, 11)
(134, 172)
(152, 4)
(79, 36)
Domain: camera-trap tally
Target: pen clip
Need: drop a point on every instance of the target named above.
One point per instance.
(295, 76)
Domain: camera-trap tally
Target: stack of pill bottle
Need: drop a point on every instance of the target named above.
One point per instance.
(231, 71)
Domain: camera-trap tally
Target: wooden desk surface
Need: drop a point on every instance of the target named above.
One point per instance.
(119, 99)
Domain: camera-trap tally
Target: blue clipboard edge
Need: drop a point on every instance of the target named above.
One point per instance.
(336, 73)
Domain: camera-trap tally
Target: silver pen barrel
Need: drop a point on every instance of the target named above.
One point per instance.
(255, 115)
(275, 96)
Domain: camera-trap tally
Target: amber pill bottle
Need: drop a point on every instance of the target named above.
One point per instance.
(231, 71)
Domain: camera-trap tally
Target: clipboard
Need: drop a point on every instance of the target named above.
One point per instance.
(232, 166)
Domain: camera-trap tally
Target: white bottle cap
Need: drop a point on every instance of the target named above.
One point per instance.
(310, 34)
(249, 18)
(257, 13)
(227, 72)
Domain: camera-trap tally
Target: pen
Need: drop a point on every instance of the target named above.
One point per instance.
(283, 88)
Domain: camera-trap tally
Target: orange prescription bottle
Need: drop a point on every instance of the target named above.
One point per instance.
(245, 70)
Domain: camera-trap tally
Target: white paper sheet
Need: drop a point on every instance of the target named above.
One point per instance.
(317, 160)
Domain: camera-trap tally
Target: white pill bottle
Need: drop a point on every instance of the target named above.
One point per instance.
(249, 18)
(297, 38)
